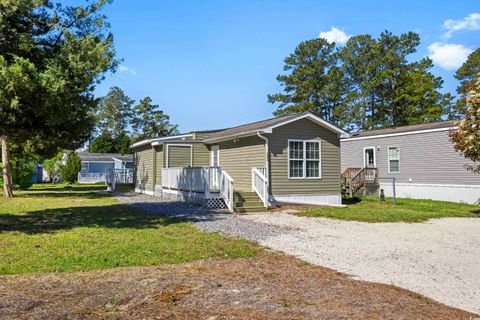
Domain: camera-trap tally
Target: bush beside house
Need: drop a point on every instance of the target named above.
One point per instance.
(70, 170)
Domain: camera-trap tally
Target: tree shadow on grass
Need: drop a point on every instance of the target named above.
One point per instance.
(64, 188)
(53, 220)
(86, 195)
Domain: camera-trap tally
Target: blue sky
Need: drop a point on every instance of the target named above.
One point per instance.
(211, 64)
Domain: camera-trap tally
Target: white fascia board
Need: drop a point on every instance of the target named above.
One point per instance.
(122, 160)
(90, 161)
(269, 129)
(401, 134)
(314, 118)
(150, 141)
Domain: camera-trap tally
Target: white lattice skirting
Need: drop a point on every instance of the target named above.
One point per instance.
(215, 204)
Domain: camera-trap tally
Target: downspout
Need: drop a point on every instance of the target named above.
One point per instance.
(267, 163)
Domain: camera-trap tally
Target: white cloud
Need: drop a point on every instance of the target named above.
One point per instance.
(126, 69)
(470, 22)
(335, 35)
(448, 56)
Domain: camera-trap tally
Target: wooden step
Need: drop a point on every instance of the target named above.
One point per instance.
(249, 209)
(248, 204)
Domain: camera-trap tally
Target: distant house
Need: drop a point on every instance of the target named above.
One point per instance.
(295, 159)
(420, 158)
(95, 166)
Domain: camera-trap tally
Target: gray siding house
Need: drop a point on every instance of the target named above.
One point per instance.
(295, 159)
(420, 157)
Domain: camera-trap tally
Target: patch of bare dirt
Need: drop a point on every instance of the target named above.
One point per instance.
(267, 287)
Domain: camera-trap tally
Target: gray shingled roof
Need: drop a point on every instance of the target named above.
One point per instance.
(250, 127)
(87, 156)
(403, 129)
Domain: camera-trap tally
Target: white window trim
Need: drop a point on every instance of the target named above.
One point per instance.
(374, 156)
(217, 148)
(388, 157)
(167, 164)
(305, 159)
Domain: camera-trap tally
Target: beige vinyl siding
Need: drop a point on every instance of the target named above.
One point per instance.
(201, 155)
(179, 156)
(238, 158)
(143, 170)
(158, 164)
(304, 129)
(425, 158)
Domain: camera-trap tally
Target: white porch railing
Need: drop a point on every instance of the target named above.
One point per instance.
(260, 184)
(124, 175)
(92, 177)
(212, 181)
(184, 179)
(226, 189)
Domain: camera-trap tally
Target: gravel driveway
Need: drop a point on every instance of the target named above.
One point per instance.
(439, 259)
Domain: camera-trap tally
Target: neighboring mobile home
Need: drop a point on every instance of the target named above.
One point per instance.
(95, 166)
(295, 158)
(420, 158)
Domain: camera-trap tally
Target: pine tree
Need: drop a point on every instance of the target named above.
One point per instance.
(51, 57)
(312, 83)
(150, 121)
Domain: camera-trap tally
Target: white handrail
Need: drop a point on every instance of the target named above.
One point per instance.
(260, 185)
(226, 189)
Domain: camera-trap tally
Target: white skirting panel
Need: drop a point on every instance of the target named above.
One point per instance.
(443, 192)
(149, 192)
(313, 199)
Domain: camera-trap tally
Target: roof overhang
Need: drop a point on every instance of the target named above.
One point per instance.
(400, 133)
(269, 129)
(151, 141)
(123, 160)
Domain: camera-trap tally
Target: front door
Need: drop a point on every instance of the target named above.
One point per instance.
(369, 157)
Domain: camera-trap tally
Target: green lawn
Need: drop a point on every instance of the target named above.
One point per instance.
(55, 228)
(408, 210)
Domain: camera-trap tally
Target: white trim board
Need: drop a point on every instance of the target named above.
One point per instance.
(311, 199)
(399, 134)
(93, 161)
(147, 141)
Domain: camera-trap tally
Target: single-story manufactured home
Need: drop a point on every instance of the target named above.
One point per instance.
(421, 158)
(95, 165)
(294, 158)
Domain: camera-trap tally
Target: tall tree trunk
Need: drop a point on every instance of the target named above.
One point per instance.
(364, 112)
(7, 168)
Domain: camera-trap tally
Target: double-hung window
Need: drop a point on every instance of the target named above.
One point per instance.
(304, 161)
(393, 159)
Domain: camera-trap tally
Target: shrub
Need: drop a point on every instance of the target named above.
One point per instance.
(70, 170)
(22, 174)
(52, 166)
